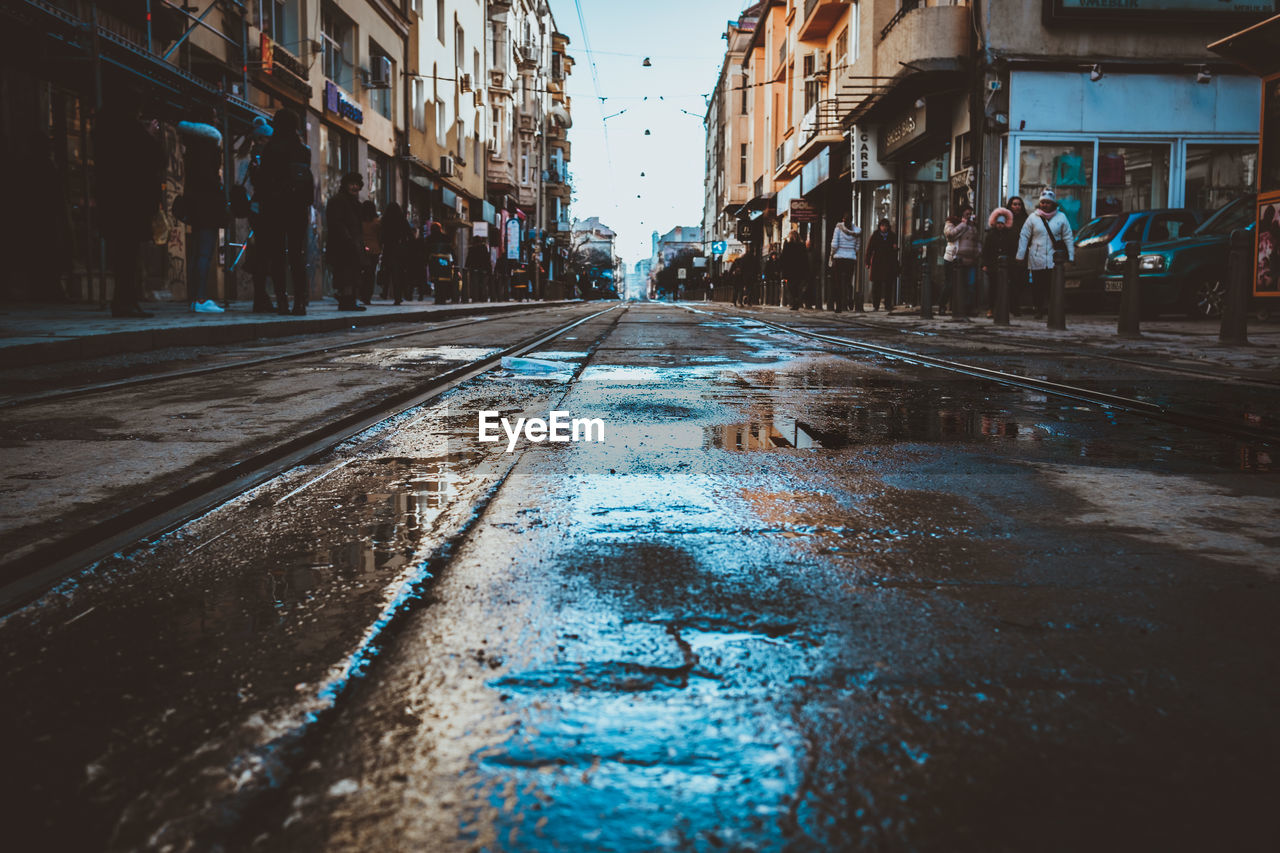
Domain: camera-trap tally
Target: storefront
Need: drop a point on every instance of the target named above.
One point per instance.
(1129, 141)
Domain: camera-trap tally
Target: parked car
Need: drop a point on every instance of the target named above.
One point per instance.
(1099, 238)
(1186, 275)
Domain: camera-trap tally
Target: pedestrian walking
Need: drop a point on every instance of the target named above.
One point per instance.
(794, 265)
(397, 238)
(479, 268)
(1045, 242)
(369, 229)
(1019, 278)
(246, 204)
(772, 274)
(344, 240)
(129, 165)
(202, 205)
(1000, 240)
(440, 263)
(844, 264)
(961, 258)
(883, 265)
(284, 188)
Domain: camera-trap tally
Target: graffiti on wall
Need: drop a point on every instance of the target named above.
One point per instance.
(175, 272)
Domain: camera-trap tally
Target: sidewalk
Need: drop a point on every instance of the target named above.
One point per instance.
(39, 334)
(1189, 344)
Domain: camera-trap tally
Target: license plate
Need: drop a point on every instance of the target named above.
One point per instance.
(1115, 286)
(1073, 284)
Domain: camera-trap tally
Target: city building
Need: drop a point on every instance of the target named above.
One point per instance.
(906, 109)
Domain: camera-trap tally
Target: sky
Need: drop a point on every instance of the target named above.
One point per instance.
(684, 40)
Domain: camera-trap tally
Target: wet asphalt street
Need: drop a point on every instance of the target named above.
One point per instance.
(799, 598)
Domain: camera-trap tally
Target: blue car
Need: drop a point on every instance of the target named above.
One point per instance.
(1100, 238)
(1188, 275)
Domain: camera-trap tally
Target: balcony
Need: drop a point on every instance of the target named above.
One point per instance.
(820, 18)
(527, 55)
(781, 68)
(501, 175)
(822, 125)
(784, 160)
(927, 37)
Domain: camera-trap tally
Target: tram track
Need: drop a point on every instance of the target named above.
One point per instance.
(1145, 408)
(26, 577)
(59, 394)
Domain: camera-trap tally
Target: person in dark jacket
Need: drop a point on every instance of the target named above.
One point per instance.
(204, 202)
(479, 269)
(1000, 240)
(285, 189)
(1019, 274)
(129, 164)
(344, 243)
(370, 226)
(882, 265)
(440, 263)
(795, 268)
(397, 237)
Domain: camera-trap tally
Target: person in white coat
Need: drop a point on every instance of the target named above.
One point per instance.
(844, 262)
(1046, 241)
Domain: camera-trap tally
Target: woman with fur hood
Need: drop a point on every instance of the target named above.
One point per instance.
(1001, 239)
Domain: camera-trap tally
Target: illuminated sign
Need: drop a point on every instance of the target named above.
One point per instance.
(904, 129)
(339, 104)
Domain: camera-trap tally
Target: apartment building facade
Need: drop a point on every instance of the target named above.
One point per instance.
(906, 109)
(397, 90)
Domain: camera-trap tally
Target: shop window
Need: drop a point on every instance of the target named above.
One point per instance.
(380, 100)
(339, 36)
(1132, 177)
(1216, 174)
(1064, 167)
(279, 20)
(1269, 179)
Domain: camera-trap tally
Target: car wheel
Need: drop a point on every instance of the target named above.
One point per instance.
(1205, 299)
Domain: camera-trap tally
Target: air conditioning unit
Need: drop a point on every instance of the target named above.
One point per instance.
(379, 73)
(816, 65)
(447, 166)
(464, 84)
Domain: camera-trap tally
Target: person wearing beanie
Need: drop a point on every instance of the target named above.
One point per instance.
(344, 243)
(1045, 241)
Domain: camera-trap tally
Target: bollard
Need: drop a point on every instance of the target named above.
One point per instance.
(1000, 310)
(1235, 302)
(926, 292)
(1058, 297)
(1130, 295)
(959, 309)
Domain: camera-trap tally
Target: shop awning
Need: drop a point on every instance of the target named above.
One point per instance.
(761, 202)
(1257, 48)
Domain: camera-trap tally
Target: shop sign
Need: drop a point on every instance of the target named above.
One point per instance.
(1164, 10)
(904, 129)
(803, 211)
(513, 239)
(719, 247)
(866, 157)
(962, 179)
(339, 104)
(746, 232)
(480, 229)
(930, 171)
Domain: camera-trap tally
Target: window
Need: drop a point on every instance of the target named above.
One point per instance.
(459, 47)
(1170, 226)
(475, 70)
(442, 123)
(495, 130)
(842, 48)
(524, 165)
(419, 104)
(1132, 177)
(440, 20)
(1218, 173)
(1064, 167)
(745, 88)
(279, 20)
(742, 163)
(338, 34)
(380, 99)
